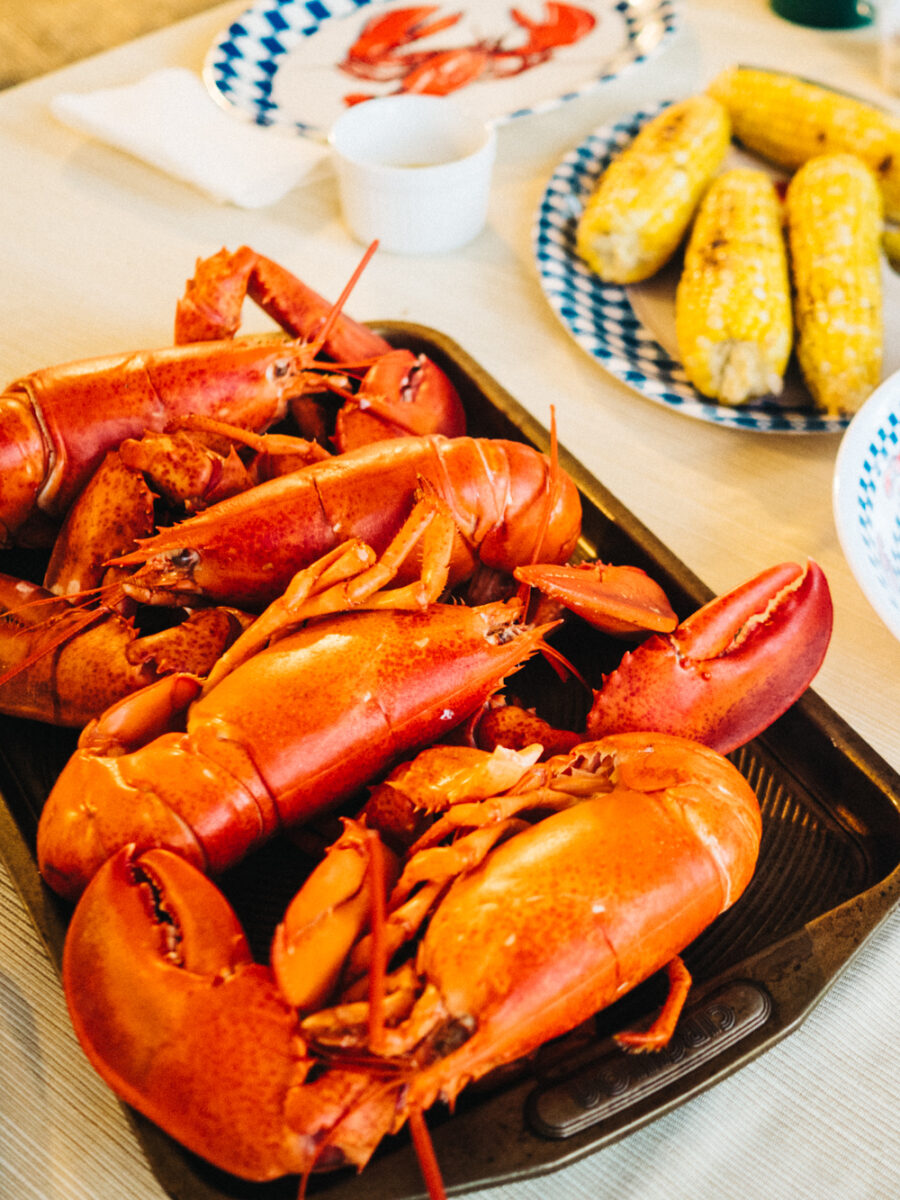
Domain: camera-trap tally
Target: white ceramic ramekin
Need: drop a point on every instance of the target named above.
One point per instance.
(414, 171)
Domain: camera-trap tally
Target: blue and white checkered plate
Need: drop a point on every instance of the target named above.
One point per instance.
(279, 63)
(866, 499)
(631, 330)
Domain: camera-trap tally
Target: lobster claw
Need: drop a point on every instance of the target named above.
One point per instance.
(401, 393)
(155, 928)
(174, 1014)
(727, 672)
(382, 36)
(563, 24)
(620, 600)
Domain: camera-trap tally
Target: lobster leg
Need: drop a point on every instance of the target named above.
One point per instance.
(658, 1035)
(324, 919)
(351, 577)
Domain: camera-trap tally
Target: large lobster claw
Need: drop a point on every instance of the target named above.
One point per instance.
(401, 393)
(174, 1014)
(155, 928)
(727, 672)
(562, 25)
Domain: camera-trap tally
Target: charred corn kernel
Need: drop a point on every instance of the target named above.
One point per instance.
(833, 209)
(788, 120)
(643, 203)
(733, 302)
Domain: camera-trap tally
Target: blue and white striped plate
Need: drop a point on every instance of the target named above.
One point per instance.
(867, 500)
(279, 63)
(630, 330)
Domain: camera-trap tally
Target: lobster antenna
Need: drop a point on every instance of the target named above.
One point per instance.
(551, 487)
(551, 491)
(378, 960)
(431, 1172)
(561, 665)
(83, 598)
(78, 602)
(88, 617)
(337, 307)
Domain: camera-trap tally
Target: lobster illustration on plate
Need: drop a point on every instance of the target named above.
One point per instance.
(344, 615)
(380, 55)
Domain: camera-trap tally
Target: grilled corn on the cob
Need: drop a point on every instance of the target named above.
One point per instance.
(788, 120)
(834, 217)
(639, 211)
(733, 302)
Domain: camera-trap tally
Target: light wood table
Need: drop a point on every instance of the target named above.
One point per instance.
(96, 247)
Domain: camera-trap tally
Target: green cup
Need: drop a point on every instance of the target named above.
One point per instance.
(826, 14)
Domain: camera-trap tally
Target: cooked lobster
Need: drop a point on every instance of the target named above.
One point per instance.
(56, 424)
(335, 703)
(537, 907)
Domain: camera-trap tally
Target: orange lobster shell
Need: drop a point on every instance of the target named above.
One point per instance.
(653, 836)
(510, 504)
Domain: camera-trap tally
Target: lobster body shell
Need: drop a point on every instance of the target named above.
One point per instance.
(333, 705)
(582, 907)
(509, 505)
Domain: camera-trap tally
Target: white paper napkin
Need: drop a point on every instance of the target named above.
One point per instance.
(170, 121)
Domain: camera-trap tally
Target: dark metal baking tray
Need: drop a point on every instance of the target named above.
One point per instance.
(829, 873)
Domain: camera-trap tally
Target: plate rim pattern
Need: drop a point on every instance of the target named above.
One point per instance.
(241, 66)
(862, 471)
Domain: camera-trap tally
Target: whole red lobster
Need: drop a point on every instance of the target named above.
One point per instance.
(57, 424)
(534, 902)
(76, 471)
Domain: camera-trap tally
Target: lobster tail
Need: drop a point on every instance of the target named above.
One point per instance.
(540, 520)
